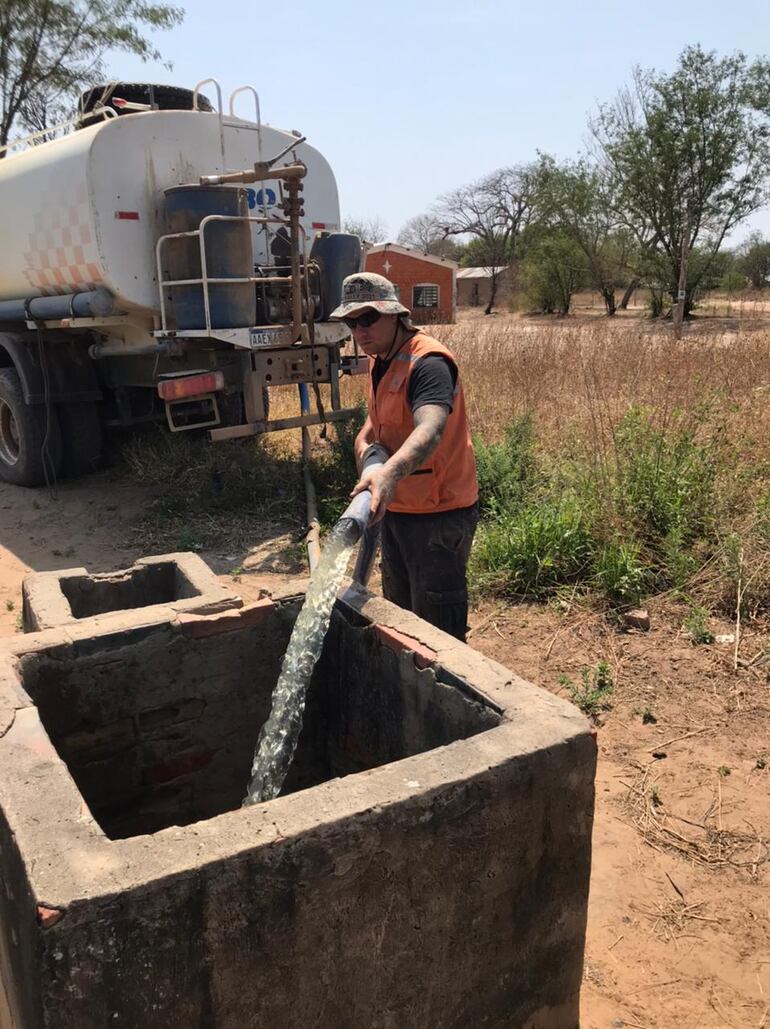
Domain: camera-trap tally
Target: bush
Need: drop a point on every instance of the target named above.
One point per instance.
(553, 270)
(534, 550)
(619, 576)
(663, 491)
(506, 470)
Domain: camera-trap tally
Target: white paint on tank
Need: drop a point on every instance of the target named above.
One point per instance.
(87, 209)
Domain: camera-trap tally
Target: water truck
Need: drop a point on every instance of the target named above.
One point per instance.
(163, 258)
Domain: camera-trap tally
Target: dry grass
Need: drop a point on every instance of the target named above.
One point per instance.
(707, 843)
(578, 379)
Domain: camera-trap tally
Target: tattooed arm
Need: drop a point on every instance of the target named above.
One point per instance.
(429, 423)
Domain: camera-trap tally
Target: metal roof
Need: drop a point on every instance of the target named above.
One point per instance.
(418, 255)
(480, 273)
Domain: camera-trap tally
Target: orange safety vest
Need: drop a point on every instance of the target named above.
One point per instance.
(447, 480)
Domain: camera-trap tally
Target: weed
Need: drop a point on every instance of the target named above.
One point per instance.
(205, 494)
(188, 540)
(619, 575)
(533, 551)
(9, 605)
(647, 716)
(664, 482)
(655, 796)
(696, 624)
(596, 686)
(506, 470)
(724, 770)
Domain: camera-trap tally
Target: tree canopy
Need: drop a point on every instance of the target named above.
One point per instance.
(688, 153)
(51, 49)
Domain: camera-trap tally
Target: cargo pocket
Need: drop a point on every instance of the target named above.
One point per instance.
(447, 610)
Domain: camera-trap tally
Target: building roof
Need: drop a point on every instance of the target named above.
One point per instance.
(480, 273)
(418, 255)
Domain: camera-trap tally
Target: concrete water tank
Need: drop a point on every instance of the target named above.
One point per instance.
(426, 865)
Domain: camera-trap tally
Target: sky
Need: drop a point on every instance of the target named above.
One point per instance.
(408, 100)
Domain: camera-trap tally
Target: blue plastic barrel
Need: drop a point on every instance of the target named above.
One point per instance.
(338, 254)
(228, 255)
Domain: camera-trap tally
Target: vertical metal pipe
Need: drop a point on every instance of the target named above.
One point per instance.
(295, 203)
(313, 538)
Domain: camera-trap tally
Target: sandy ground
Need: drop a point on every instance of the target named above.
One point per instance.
(679, 914)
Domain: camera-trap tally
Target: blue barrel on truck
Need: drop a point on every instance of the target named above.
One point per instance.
(228, 256)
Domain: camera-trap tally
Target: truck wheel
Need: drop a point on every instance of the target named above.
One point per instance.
(231, 409)
(81, 432)
(22, 435)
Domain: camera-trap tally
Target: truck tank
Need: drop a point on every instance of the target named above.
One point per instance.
(85, 210)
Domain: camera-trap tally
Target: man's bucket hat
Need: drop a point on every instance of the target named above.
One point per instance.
(367, 290)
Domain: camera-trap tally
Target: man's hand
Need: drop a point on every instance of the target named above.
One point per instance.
(382, 483)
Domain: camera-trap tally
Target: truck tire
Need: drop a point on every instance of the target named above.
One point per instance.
(168, 98)
(81, 434)
(231, 408)
(22, 435)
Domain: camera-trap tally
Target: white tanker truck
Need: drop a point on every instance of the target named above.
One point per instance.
(163, 258)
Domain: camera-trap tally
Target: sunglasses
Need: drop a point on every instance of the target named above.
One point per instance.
(363, 321)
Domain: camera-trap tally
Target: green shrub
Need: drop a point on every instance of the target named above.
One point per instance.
(506, 470)
(663, 492)
(532, 551)
(619, 576)
(696, 624)
(593, 692)
(664, 481)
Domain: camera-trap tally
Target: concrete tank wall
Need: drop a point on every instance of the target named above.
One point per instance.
(427, 866)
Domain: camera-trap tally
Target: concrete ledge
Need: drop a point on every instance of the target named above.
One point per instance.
(181, 581)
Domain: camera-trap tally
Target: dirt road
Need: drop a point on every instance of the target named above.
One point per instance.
(679, 922)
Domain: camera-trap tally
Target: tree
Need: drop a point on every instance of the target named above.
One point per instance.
(493, 211)
(688, 155)
(754, 260)
(424, 233)
(368, 230)
(51, 49)
(553, 270)
(578, 201)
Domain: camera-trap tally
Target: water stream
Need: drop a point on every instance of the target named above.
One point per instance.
(278, 736)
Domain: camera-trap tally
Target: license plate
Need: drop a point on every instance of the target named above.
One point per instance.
(264, 337)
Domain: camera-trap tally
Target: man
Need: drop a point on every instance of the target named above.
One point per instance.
(426, 493)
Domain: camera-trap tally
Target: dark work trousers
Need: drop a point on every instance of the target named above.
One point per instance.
(424, 559)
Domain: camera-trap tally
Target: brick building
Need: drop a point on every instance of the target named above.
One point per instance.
(426, 284)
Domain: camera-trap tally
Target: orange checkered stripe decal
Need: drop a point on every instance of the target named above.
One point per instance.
(59, 259)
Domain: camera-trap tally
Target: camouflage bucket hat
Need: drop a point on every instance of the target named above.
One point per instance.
(364, 290)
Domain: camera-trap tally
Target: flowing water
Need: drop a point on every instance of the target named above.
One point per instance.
(278, 736)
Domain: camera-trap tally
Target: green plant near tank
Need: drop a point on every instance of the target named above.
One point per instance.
(592, 693)
(619, 575)
(697, 625)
